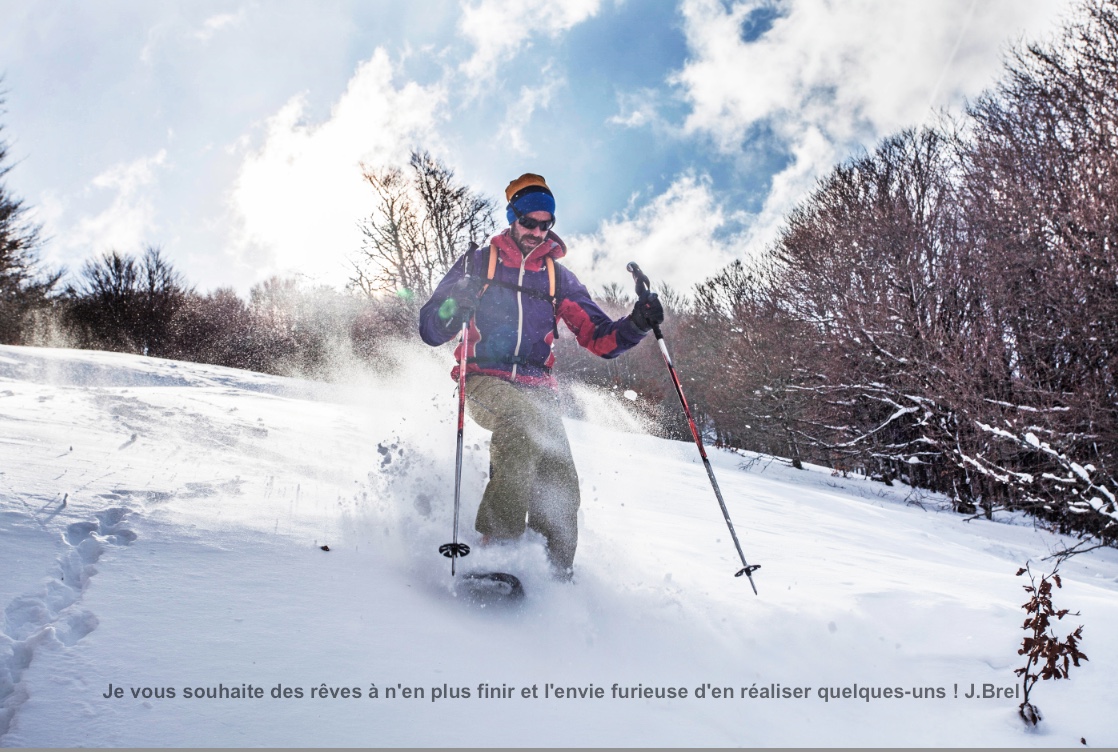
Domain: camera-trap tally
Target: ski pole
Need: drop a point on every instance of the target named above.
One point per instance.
(455, 549)
(642, 291)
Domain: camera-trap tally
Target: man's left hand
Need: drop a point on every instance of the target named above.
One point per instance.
(648, 312)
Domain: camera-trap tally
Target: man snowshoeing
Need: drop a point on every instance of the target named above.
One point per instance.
(512, 294)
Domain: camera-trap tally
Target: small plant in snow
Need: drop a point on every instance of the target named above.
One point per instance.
(1047, 657)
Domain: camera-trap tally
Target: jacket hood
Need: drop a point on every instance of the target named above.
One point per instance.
(510, 253)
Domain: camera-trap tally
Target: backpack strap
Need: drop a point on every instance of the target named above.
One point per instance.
(552, 277)
(491, 271)
(492, 262)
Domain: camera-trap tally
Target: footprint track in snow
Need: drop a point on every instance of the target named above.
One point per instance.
(53, 615)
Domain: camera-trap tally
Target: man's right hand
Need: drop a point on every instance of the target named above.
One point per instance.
(460, 302)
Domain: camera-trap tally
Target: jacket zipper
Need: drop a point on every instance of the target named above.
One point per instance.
(520, 314)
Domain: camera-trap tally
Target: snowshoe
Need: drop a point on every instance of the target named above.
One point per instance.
(486, 588)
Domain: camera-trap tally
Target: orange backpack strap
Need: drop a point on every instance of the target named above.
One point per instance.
(554, 300)
(492, 271)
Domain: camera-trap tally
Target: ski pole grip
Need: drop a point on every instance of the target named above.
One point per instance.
(643, 288)
(639, 277)
(469, 258)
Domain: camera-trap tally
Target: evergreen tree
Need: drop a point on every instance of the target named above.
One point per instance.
(23, 287)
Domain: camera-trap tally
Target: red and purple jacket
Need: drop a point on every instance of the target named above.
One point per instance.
(513, 330)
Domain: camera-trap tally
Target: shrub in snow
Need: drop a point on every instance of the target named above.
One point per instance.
(1047, 656)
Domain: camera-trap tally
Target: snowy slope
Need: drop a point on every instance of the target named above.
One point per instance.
(160, 526)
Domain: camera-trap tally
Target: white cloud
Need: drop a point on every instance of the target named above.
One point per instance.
(498, 29)
(830, 77)
(637, 109)
(675, 238)
(219, 22)
(129, 177)
(298, 199)
(521, 109)
(126, 225)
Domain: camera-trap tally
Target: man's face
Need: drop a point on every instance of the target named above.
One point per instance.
(529, 240)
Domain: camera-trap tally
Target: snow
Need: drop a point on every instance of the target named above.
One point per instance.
(161, 525)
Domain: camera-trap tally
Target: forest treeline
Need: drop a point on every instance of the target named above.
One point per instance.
(139, 303)
(942, 310)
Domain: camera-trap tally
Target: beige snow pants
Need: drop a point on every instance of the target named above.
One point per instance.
(532, 478)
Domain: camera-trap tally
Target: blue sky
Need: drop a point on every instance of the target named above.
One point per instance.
(675, 133)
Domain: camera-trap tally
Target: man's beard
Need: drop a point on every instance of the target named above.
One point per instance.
(529, 243)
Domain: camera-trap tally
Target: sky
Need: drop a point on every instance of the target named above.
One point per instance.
(676, 133)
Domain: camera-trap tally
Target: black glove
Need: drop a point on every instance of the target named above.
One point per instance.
(460, 302)
(648, 312)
